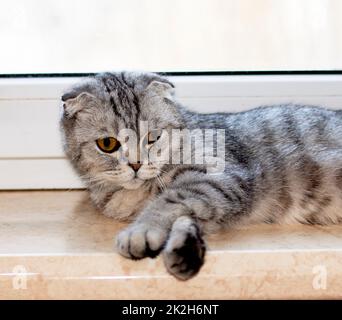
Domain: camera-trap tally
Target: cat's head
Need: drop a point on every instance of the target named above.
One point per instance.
(116, 127)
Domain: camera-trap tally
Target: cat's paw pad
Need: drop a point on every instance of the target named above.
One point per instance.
(185, 249)
(140, 241)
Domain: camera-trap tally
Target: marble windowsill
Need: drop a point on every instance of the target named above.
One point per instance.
(54, 244)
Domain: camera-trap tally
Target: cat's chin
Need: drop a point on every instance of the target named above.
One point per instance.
(133, 184)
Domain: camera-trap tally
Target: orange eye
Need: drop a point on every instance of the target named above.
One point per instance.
(108, 144)
(153, 136)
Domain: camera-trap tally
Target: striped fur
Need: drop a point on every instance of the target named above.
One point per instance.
(283, 164)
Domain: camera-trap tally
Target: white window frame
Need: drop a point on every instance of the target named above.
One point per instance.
(31, 156)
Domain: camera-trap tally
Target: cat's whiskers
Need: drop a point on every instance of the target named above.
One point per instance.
(161, 179)
(161, 182)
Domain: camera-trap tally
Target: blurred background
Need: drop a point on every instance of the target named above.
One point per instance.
(72, 36)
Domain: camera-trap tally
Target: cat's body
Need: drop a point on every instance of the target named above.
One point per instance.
(283, 164)
(292, 156)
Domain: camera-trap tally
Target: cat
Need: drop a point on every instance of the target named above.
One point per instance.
(282, 164)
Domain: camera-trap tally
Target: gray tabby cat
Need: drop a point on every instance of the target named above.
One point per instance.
(283, 164)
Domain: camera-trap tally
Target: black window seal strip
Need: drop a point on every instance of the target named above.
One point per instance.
(183, 73)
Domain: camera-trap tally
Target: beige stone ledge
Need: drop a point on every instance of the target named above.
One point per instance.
(54, 244)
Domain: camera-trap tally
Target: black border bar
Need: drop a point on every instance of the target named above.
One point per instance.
(183, 73)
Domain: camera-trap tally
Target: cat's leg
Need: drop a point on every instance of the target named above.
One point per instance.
(185, 249)
(209, 202)
(142, 239)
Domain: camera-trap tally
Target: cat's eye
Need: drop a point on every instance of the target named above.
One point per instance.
(153, 136)
(108, 144)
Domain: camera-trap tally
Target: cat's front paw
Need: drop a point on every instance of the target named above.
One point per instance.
(185, 249)
(139, 241)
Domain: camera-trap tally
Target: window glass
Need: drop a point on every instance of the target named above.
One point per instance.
(72, 36)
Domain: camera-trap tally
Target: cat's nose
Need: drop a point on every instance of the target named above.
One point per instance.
(135, 166)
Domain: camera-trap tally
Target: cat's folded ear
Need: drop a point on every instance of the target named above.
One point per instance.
(162, 87)
(76, 100)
